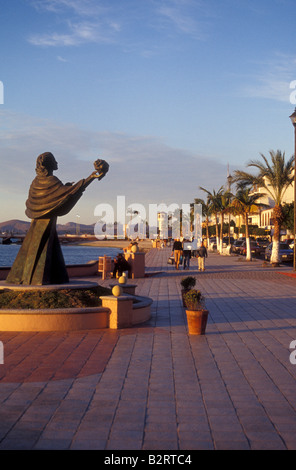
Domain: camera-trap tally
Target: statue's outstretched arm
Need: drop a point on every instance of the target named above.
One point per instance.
(101, 168)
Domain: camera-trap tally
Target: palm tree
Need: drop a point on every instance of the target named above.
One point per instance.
(214, 202)
(206, 212)
(275, 177)
(245, 202)
(225, 206)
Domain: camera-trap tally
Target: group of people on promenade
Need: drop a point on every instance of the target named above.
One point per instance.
(182, 254)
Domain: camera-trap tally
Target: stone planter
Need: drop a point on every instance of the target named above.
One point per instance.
(197, 321)
(54, 319)
(127, 311)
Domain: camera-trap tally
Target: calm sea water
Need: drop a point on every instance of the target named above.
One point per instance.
(73, 254)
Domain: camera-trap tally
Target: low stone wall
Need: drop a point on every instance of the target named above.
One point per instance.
(64, 319)
(116, 312)
(125, 311)
(4, 272)
(82, 270)
(74, 270)
(141, 310)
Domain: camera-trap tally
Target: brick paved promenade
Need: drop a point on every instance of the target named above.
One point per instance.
(154, 387)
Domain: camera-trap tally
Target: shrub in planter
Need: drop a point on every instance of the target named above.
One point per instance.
(194, 300)
(187, 283)
(196, 312)
(64, 298)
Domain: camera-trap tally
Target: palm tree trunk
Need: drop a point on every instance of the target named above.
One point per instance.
(221, 233)
(278, 217)
(248, 245)
(207, 231)
(275, 254)
(217, 233)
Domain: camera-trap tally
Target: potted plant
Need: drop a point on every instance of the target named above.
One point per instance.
(196, 312)
(187, 283)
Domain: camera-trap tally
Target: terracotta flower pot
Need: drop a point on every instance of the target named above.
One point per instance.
(197, 321)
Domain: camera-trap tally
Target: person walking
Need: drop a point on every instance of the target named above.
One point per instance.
(186, 256)
(177, 252)
(202, 254)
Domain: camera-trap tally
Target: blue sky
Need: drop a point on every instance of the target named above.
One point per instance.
(169, 92)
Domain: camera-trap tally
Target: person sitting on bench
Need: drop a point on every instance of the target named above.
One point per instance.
(120, 265)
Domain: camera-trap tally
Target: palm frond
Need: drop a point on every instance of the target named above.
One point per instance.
(275, 176)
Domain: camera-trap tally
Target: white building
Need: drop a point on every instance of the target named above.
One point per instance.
(264, 216)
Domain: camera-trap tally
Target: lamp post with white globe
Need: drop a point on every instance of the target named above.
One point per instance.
(293, 119)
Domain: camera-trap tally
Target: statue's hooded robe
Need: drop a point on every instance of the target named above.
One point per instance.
(40, 259)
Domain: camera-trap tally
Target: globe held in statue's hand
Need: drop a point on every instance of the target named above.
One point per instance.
(101, 166)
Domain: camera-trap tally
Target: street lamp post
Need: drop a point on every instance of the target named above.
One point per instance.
(293, 119)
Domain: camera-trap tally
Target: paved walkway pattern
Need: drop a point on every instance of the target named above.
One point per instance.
(154, 387)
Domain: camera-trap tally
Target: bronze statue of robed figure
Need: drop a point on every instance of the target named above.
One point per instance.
(40, 259)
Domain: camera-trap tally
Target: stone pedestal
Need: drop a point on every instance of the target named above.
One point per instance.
(137, 263)
(121, 311)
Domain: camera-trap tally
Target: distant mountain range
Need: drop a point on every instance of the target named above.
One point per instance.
(21, 227)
